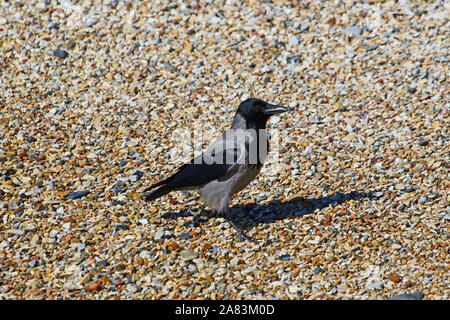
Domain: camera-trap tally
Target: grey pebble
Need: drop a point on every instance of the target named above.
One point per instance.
(400, 186)
(53, 233)
(86, 184)
(116, 189)
(29, 227)
(304, 27)
(374, 285)
(185, 236)
(353, 31)
(293, 41)
(12, 205)
(187, 255)
(16, 232)
(158, 235)
(67, 225)
(89, 22)
(32, 263)
(370, 47)
(143, 221)
(145, 254)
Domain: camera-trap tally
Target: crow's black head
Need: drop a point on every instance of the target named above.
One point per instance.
(256, 112)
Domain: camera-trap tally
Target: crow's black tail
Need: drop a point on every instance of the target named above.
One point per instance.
(165, 186)
(157, 193)
(162, 190)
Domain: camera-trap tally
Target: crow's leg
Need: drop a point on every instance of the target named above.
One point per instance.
(226, 215)
(196, 219)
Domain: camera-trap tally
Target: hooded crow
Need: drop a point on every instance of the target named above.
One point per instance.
(228, 165)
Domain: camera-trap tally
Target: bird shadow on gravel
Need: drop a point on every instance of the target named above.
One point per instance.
(249, 216)
(296, 207)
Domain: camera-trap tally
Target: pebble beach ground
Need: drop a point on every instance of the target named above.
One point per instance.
(91, 91)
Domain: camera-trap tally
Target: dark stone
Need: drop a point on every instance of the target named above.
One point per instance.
(317, 270)
(116, 188)
(410, 189)
(293, 60)
(104, 263)
(278, 44)
(54, 26)
(122, 227)
(122, 163)
(285, 257)
(138, 174)
(31, 139)
(60, 53)
(77, 194)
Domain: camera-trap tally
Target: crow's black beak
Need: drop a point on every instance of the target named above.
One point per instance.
(271, 109)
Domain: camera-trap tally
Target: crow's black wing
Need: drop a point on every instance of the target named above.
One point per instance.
(201, 170)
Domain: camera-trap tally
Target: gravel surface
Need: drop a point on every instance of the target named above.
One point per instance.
(91, 92)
